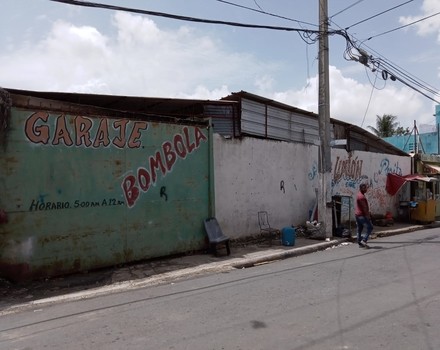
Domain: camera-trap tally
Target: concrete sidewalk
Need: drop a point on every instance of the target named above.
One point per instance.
(167, 270)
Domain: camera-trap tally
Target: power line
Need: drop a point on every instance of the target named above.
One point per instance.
(354, 52)
(369, 100)
(307, 37)
(379, 14)
(266, 13)
(184, 18)
(400, 69)
(349, 54)
(406, 25)
(256, 3)
(345, 9)
(388, 70)
(394, 67)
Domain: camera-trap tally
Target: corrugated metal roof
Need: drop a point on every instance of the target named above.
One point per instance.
(304, 126)
(277, 123)
(284, 122)
(224, 119)
(237, 96)
(370, 142)
(145, 105)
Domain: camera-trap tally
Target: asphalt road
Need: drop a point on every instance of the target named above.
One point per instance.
(387, 297)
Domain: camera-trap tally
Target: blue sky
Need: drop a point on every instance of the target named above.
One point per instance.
(49, 46)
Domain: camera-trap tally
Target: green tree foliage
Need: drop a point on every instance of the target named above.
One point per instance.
(387, 126)
(400, 131)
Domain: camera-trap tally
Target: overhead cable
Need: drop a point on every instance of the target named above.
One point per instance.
(307, 37)
(369, 100)
(313, 35)
(406, 25)
(388, 62)
(377, 15)
(183, 18)
(387, 70)
(256, 3)
(347, 8)
(266, 13)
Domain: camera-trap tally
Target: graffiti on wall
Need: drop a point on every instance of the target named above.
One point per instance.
(348, 170)
(81, 131)
(140, 180)
(313, 172)
(42, 205)
(385, 167)
(120, 133)
(378, 195)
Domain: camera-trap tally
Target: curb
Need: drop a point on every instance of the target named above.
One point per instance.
(284, 254)
(170, 277)
(215, 267)
(388, 233)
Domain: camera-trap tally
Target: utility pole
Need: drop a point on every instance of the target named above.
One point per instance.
(325, 167)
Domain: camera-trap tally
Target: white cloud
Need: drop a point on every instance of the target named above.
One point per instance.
(203, 93)
(349, 100)
(142, 59)
(429, 25)
(264, 83)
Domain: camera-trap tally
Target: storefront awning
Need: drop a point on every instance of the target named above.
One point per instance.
(431, 169)
(395, 182)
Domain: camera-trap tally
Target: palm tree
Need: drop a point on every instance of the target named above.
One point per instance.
(386, 125)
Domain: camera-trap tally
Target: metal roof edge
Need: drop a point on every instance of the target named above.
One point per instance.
(364, 132)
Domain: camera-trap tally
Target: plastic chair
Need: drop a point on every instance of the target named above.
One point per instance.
(265, 228)
(216, 236)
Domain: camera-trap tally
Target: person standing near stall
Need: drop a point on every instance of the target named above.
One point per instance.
(363, 216)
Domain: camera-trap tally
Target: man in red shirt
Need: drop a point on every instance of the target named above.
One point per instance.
(363, 216)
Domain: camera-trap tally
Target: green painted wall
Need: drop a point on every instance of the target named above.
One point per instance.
(83, 192)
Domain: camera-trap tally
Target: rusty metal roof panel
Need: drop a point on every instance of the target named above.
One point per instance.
(150, 105)
(224, 119)
(253, 118)
(276, 123)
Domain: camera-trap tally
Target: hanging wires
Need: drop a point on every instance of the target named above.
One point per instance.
(181, 18)
(308, 37)
(386, 69)
(388, 64)
(378, 14)
(406, 25)
(353, 51)
(345, 9)
(373, 87)
(267, 13)
(393, 72)
(258, 5)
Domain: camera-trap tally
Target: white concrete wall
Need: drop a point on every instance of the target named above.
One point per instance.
(249, 174)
